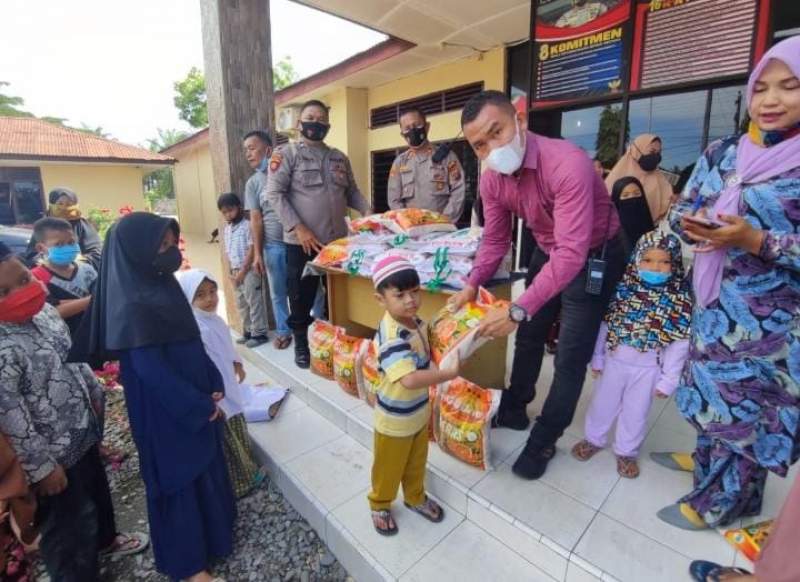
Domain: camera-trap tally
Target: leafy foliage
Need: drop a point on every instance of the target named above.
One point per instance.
(607, 144)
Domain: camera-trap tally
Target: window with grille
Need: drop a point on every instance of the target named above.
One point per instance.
(439, 102)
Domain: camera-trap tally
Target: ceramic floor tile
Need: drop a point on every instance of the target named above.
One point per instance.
(359, 424)
(464, 474)
(635, 503)
(519, 540)
(290, 435)
(663, 438)
(590, 482)
(358, 562)
(577, 574)
(397, 553)
(628, 555)
(505, 442)
(334, 472)
(469, 554)
(333, 392)
(542, 508)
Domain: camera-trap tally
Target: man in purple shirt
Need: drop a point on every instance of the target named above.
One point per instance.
(551, 184)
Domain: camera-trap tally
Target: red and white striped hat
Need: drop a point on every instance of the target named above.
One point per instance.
(388, 266)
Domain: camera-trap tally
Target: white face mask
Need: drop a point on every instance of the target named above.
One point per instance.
(508, 159)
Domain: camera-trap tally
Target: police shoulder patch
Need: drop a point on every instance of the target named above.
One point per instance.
(275, 161)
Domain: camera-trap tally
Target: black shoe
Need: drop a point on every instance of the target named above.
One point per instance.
(244, 339)
(302, 355)
(513, 420)
(532, 462)
(256, 340)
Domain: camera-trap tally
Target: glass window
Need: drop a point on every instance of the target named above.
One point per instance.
(595, 129)
(677, 119)
(728, 112)
(786, 18)
(518, 59)
(28, 198)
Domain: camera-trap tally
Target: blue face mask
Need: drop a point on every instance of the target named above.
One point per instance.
(262, 167)
(63, 255)
(654, 277)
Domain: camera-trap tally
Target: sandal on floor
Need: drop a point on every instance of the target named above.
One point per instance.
(683, 516)
(627, 467)
(386, 518)
(127, 544)
(430, 510)
(675, 461)
(282, 342)
(703, 571)
(585, 450)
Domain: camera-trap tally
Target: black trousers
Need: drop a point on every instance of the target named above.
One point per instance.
(581, 316)
(302, 290)
(78, 522)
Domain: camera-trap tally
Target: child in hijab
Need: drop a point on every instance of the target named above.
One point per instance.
(640, 350)
(172, 389)
(634, 214)
(200, 290)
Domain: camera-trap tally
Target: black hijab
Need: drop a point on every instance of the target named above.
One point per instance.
(634, 213)
(134, 305)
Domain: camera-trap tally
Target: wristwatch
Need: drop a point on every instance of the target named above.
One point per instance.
(517, 314)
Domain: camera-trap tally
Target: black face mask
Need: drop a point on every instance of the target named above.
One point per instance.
(314, 130)
(649, 162)
(416, 136)
(168, 262)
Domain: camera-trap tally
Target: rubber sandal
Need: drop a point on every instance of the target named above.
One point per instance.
(703, 571)
(130, 544)
(584, 450)
(683, 516)
(674, 461)
(282, 342)
(427, 510)
(627, 467)
(386, 516)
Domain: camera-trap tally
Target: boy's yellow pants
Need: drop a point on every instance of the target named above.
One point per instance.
(398, 460)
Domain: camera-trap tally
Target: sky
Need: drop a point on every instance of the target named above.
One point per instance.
(112, 63)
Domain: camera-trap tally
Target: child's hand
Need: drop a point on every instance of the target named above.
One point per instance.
(217, 396)
(239, 278)
(451, 370)
(596, 373)
(660, 394)
(238, 369)
(54, 483)
(218, 414)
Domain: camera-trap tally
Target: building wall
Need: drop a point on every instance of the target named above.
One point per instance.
(194, 191)
(109, 187)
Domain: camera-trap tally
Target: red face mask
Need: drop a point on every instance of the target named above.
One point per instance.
(21, 305)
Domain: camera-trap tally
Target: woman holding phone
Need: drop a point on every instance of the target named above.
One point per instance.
(740, 387)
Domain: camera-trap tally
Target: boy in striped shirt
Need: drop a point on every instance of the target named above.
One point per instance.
(402, 410)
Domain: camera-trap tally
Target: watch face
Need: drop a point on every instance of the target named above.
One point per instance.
(517, 314)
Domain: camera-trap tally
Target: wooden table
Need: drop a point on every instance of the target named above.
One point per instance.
(352, 305)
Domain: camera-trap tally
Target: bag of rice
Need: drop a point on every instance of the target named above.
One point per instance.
(345, 352)
(465, 412)
(370, 223)
(368, 376)
(321, 336)
(416, 221)
(333, 254)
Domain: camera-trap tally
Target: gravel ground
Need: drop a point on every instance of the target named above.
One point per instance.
(273, 542)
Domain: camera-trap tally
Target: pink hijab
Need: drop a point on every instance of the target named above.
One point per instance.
(754, 164)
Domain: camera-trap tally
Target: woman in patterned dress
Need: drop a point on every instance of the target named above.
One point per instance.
(741, 386)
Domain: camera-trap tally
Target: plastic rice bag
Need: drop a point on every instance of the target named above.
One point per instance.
(368, 374)
(345, 353)
(371, 223)
(321, 336)
(416, 221)
(465, 412)
(332, 255)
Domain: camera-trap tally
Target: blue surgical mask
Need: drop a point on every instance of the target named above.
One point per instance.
(262, 166)
(63, 255)
(654, 277)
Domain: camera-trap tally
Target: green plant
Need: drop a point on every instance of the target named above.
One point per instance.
(102, 219)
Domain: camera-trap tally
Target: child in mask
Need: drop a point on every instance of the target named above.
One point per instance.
(69, 283)
(51, 412)
(200, 290)
(640, 350)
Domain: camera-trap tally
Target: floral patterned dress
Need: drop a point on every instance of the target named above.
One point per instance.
(741, 385)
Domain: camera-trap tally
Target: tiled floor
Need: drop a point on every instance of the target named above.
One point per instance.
(580, 522)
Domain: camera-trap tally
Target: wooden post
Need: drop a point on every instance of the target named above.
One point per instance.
(238, 71)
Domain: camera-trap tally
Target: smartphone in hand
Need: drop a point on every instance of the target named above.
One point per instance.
(702, 221)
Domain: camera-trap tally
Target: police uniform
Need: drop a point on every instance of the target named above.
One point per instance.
(311, 185)
(416, 181)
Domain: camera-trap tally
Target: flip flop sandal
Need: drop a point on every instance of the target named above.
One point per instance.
(386, 516)
(127, 544)
(584, 450)
(428, 510)
(282, 342)
(627, 467)
(674, 461)
(683, 516)
(703, 571)
(276, 407)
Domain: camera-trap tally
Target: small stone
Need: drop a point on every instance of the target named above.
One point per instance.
(304, 577)
(327, 559)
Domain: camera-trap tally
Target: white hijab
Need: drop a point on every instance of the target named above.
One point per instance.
(217, 340)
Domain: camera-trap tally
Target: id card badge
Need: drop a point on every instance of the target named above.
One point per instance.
(595, 274)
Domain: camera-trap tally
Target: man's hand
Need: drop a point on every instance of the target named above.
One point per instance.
(464, 296)
(238, 369)
(738, 234)
(496, 324)
(258, 264)
(239, 278)
(307, 239)
(54, 483)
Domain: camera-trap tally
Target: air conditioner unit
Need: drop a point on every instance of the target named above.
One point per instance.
(288, 118)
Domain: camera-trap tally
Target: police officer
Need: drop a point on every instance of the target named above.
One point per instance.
(311, 186)
(416, 181)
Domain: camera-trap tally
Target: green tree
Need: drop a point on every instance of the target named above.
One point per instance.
(159, 185)
(86, 128)
(10, 106)
(607, 144)
(190, 93)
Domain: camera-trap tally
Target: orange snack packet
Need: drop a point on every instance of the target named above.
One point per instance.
(345, 353)
(321, 336)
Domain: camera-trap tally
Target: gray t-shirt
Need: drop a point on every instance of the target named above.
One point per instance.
(273, 229)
